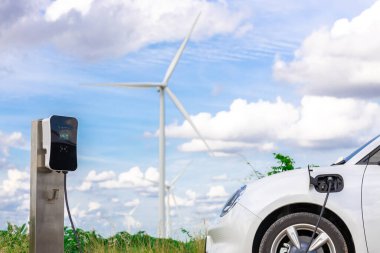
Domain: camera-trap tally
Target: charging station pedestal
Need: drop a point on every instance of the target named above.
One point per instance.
(46, 228)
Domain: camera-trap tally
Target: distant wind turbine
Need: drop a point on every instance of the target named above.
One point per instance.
(129, 218)
(169, 194)
(163, 87)
(169, 189)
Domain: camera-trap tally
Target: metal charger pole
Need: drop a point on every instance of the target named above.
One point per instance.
(46, 228)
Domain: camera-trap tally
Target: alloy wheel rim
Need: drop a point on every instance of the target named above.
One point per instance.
(297, 235)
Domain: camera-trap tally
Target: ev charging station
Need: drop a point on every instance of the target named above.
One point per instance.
(53, 154)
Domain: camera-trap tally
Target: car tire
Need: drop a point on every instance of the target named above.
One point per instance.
(300, 226)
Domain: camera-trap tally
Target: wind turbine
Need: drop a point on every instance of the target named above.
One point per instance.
(169, 189)
(162, 88)
(169, 194)
(129, 218)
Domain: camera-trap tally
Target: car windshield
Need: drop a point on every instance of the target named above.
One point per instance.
(355, 152)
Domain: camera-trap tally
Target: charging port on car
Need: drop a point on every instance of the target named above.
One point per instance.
(321, 183)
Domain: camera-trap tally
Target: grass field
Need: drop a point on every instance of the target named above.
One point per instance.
(16, 240)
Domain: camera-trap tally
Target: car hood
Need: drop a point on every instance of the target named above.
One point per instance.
(281, 188)
(297, 179)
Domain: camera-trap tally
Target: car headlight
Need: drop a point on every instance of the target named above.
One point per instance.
(232, 201)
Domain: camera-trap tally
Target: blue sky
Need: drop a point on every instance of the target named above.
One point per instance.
(295, 77)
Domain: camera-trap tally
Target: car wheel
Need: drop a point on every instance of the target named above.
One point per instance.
(292, 234)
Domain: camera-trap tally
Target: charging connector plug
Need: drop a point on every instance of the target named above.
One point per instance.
(322, 182)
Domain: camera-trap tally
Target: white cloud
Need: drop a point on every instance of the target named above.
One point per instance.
(245, 125)
(144, 183)
(131, 178)
(102, 176)
(191, 194)
(221, 147)
(318, 122)
(152, 174)
(341, 61)
(78, 213)
(25, 203)
(237, 123)
(85, 186)
(117, 27)
(175, 200)
(12, 12)
(335, 123)
(16, 180)
(150, 191)
(83, 213)
(12, 140)
(209, 209)
(131, 223)
(212, 202)
(14, 196)
(217, 191)
(222, 177)
(132, 203)
(60, 8)
(92, 206)
(187, 201)
(93, 176)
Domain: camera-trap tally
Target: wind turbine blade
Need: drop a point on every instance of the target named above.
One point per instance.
(175, 201)
(152, 181)
(128, 85)
(175, 60)
(130, 213)
(169, 192)
(156, 183)
(168, 220)
(175, 179)
(187, 117)
(176, 206)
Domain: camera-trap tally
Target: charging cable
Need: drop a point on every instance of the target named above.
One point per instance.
(69, 214)
(330, 182)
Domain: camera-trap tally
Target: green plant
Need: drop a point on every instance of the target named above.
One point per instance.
(14, 239)
(285, 163)
(186, 232)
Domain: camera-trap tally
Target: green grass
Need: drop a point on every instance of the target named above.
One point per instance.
(16, 240)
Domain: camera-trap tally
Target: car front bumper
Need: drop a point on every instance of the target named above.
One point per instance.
(233, 232)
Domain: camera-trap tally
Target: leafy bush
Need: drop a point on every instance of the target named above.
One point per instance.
(284, 162)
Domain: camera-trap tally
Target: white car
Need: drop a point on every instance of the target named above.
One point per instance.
(278, 214)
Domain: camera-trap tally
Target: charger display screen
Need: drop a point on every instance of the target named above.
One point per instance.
(63, 129)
